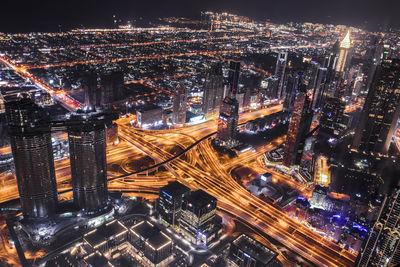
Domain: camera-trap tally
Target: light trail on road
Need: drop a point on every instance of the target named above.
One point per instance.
(247, 207)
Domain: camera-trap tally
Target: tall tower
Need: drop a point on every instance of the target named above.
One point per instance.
(112, 88)
(180, 101)
(213, 90)
(292, 79)
(228, 121)
(381, 110)
(298, 128)
(373, 59)
(92, 93)
(87, 146)
(382, 246)
(280, 68)
(229, 110)
(252, 87)
(332, 123)
(233, 78)
(345, 45)
(329, 63)
(30, 137)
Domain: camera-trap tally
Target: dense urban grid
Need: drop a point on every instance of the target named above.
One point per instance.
(221, 141)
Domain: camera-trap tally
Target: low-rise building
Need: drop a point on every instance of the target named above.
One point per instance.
(149, 116)
(152, 242)
(107, 236)
(247, 252)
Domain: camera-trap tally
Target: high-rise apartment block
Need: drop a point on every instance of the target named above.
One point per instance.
(87, 145)
(180, 102)
(213, 90)
(382, 246)
(381, 110)
(30, 138)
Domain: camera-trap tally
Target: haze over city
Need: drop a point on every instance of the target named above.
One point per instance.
(26, 16)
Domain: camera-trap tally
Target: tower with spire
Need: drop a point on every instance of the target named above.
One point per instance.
(345, 45)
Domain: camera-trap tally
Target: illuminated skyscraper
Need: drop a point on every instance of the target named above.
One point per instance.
(280, 68)
(206, 20)
(314, 80)
(229, 110)
(298, 128)
(269, 89)
(87, 146)
(30, 137)
(251, 87)
(322, 175)
(180, 101)
(292, 79)
(169, 203)
(228, 121)
(382, 246)
(373, 59)
(310, 75)
(332, 121)
(328, 65)
(213, 90)
(381, 110)
(345, 45)
(198, 217)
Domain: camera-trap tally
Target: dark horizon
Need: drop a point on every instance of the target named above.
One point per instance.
(46, 16)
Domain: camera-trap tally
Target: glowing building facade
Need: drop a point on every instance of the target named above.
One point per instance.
(87, 145)
(382, 246)
(280, 68)
(298, 128)
(180, 101)
(381, 110)
(229, 110)
(213, 90)
(30, 138)
(345, 45)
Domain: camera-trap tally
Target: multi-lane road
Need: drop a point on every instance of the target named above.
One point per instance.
(200, 168)
(203, 170)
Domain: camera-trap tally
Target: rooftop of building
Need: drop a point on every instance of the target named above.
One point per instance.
(200, 198)
(254, 249)
(230, 101)
(96, 259)
(174, 189)
(19, 101)
(148, 107)
(151, 234)
(346, 43)
(321, 189)
(103, 233)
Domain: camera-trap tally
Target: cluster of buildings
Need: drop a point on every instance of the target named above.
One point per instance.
(352, 158)
(191, 213)
(30, 129)
(340, 103)
(186, 225)
(136, 242)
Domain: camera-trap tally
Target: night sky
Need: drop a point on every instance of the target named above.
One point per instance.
(46, 15)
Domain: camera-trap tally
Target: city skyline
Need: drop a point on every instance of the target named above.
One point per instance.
(46, 16)
(221, 140)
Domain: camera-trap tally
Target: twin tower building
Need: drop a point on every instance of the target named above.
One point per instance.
(30, 137)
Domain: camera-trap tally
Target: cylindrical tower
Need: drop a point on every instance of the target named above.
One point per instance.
(87, 146)
(30, 137)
